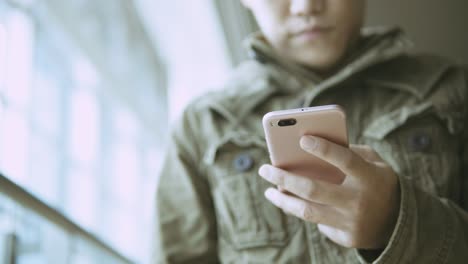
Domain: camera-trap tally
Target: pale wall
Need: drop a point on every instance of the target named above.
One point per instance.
(439, 26)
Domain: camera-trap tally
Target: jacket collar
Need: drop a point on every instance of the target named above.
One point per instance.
(377, 45)
(270, 74)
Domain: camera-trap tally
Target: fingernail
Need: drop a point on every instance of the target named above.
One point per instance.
(263, 171)
(269, 194)
(309, 143)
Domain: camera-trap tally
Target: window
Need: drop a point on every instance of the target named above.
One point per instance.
(67, 141)
(16, 41)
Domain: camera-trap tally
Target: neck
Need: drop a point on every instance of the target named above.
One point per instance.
(350, 54)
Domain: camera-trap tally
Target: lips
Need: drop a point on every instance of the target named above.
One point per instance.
(310, 33)
(311, 30)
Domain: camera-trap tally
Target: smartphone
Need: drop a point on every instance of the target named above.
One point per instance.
(284, 129)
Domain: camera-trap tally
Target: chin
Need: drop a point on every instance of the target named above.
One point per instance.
(321, 62)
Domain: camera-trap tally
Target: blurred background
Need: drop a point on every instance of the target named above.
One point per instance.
(88, 90)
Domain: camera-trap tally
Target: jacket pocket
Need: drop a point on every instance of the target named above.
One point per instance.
(431, 155)
(245, 218)
(434, 173)
(419, 145)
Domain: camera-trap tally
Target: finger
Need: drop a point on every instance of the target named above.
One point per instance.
(308, 211)
(306, 188)
(336, 235)
(366, 152)
(341, 157)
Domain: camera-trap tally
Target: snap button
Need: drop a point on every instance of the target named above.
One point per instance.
(243, 163)
(420, 142)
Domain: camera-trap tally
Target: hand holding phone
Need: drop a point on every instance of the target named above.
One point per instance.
(284, 129)
(311, 188)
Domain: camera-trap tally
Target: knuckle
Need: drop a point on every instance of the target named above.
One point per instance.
(349, 162)
(312, 190)
(324, 149)
(289, 183)
(280, 178)
(307, 213)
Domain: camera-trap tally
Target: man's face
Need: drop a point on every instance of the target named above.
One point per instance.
(315, 33)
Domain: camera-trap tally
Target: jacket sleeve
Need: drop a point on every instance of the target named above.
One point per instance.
(431, 229)
(185, 224)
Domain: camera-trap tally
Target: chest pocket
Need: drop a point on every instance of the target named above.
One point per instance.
(419, 146)
(245, 218)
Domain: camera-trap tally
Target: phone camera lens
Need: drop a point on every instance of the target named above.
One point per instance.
(287, 122)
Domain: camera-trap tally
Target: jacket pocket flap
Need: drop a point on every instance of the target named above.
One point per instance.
(385, 124)
(239, 138)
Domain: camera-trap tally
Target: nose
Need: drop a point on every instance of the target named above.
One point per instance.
(306, 7)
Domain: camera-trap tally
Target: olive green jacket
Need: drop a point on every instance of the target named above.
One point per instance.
(410, 109)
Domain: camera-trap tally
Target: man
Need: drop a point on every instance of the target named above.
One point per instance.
(405, 195)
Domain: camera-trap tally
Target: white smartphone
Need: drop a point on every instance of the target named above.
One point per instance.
(283, 130)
